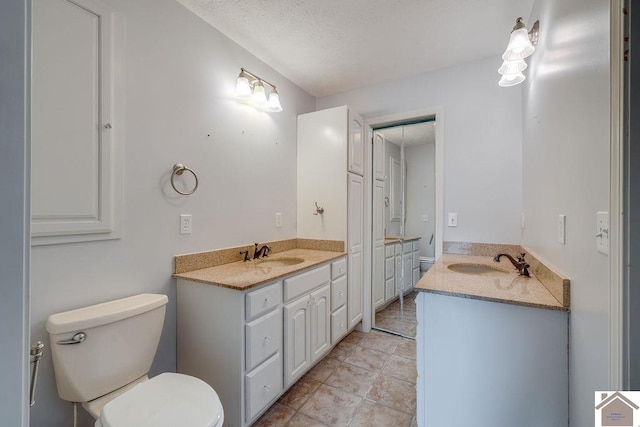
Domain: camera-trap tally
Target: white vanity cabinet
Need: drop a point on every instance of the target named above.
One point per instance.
(307, 321)
(250, 346)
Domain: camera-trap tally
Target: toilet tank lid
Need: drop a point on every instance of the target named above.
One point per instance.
(104, 313)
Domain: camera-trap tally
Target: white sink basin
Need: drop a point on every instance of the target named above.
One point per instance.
(279, 262)
(476, 269)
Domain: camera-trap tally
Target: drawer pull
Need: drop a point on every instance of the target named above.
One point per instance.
(340, 294)
(267, 339)
(267, 388)
(267, 299)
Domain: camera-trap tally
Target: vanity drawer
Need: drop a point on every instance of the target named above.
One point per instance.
(416, 245)
(338, 324)
(389, 267)
(262, 300)
(338, 268)
(338, 293)
(416, 259)
(263, 337)
(398, 248)
(389, 251)
(305, 282)
(263, 385)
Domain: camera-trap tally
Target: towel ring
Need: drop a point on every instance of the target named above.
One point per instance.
(178, 169)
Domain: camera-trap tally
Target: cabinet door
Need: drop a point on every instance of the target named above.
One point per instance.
(356, 144)
(408, 272)
(378, 157)
(378, 243)
(320, 322)
(297, 357)
(399, 269)
(355, 241)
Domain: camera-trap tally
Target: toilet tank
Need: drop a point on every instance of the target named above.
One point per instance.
(121, 339)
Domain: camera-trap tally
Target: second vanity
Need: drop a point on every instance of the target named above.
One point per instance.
(491, 344)
(252, 329)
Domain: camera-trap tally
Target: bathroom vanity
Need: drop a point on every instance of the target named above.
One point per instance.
(491, 344)
(252, 329)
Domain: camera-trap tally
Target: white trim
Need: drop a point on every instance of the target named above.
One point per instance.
(367, 309)
(616, 261)
(438, 112)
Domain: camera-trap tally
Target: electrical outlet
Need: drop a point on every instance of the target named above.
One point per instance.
(452, 219)
(562, 229)
(185, 224)
(278, 220)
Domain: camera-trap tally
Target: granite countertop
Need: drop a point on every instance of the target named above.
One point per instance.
(510, 288)
(392, 239)
(246, 275)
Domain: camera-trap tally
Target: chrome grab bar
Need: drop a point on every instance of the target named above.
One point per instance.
(76, 339)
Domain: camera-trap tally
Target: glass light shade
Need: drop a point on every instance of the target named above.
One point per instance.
(512, 67)
(259, 97)
(274, 102)
(243, 88)
(511, 79)
(519, 46)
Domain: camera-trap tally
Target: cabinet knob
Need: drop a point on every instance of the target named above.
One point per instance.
(340, 294)
(267, 339)
(267, 299)
(342, 325)
(267, 388)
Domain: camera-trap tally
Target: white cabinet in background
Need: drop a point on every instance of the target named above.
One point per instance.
(297, 330)
(320, 322)
(355, 249)
(378, 244)
(356, 144)
(378, 157)
(339, 324)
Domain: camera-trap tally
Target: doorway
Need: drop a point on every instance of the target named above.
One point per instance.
(406, 214)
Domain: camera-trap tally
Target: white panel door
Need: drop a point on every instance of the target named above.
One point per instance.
(355, 245)
(320, 322)
(378, 157)
(378, 243)
(356, 144)
(408, 271)
(72, 144)
(297, 332)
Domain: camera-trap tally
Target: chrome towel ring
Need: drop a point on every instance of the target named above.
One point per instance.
(178, 169)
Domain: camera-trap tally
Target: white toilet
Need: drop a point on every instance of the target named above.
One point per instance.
(101, 357)
(425, 264)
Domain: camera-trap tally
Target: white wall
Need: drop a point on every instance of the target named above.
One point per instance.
(482, 142)
(566, 171)
(421, 194)
(14, 210)
(179, 76)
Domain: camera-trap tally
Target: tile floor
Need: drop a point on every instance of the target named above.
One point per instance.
(389, 317)
(368, 379)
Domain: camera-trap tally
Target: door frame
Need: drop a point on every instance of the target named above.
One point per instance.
(391, 119)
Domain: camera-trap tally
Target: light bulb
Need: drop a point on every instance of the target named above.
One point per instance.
(512, 67)
(259, 97)
(511, 79)
(243, 87)
(274, 101)
(519, 46)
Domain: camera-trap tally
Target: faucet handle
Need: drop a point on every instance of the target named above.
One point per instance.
(246, 255)
(521, 257)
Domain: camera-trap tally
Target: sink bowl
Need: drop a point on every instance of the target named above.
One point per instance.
(476, 269)
(279, 262)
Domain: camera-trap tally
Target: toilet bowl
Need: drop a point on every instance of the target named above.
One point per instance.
(425, 264)
(102, 355)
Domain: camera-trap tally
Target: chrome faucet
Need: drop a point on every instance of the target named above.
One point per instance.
(520, 265)
(262, 252)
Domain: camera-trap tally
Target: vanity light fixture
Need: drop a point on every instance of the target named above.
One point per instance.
(250, 86)
(521, 45)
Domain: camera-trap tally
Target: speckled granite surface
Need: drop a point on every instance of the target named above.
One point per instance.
(558, 285)
(245, 275)
(504, 286)
(200, 260)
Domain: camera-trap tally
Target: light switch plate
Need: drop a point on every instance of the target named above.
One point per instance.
(562, 229)
(185, 224)
(602, 232)
(452, 219)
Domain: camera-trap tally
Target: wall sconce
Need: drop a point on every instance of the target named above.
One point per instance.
(250, 86)
(521, 45)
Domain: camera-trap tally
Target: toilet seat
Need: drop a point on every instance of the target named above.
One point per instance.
(166, 400)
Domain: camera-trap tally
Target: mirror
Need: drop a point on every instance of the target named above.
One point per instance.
(404, 227)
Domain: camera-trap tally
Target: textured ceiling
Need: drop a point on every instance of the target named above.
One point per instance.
(332, 46)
